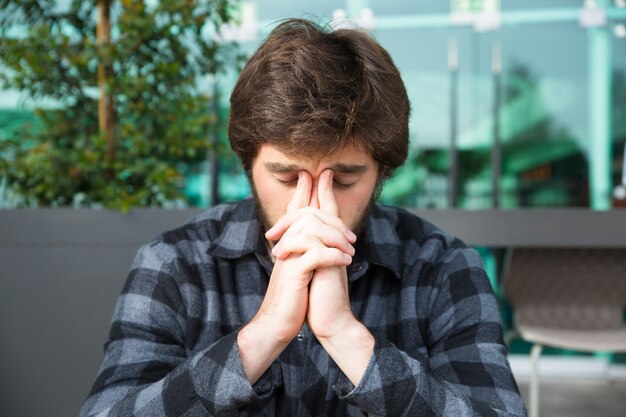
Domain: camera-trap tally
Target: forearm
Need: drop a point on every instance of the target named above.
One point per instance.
(213, 381)
(397, 384)
(258, 350)
(351, 350)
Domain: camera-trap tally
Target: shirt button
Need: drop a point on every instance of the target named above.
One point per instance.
(356, 267)
(300, 337)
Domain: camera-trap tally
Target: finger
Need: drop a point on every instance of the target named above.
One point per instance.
(328, 235)
(325, 236)
(325, 193)
(288, 219)
(322, 258)
(304, 217)
(302, 194)
(314, 201)
(298, 244)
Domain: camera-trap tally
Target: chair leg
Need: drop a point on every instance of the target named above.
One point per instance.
(535, 353)
(509, 336)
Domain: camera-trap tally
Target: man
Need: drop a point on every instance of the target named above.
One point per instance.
(310, 299)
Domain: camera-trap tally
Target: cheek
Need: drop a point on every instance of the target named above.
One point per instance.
(352, 203)
(275, 199)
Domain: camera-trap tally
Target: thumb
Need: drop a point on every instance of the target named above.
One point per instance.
(325, 193)
(302, 194)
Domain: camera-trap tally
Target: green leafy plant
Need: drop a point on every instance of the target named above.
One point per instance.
(123, 111)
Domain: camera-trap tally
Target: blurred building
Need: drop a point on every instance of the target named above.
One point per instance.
(514, 104)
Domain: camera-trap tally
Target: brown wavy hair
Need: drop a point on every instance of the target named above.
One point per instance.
(309, 90)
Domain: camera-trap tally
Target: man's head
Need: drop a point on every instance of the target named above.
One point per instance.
(311, 93)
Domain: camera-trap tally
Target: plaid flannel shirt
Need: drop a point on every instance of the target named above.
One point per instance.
(172, 348)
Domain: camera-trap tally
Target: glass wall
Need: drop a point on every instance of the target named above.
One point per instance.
(504, 95)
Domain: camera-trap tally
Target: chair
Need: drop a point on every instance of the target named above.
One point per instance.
(566, 298)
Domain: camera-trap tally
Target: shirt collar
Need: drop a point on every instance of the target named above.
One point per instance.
(240, 232)
(379, 243)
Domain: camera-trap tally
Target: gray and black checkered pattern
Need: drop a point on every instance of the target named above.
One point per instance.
(423, 294)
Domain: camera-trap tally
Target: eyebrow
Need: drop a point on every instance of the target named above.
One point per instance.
(279, 168)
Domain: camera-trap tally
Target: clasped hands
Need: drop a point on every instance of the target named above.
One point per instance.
(309, 280)
(308, 284)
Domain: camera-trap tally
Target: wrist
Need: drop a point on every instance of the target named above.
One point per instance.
(342, 323)
(257, 350)
(263, 326)
(354, 333)
(351, 350)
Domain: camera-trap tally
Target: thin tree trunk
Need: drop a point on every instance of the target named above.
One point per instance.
(106, 121)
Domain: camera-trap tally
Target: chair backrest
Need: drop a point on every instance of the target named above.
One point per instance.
(568, 288)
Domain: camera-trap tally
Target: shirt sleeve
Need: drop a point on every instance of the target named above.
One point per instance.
(147, 370)
(466, 374)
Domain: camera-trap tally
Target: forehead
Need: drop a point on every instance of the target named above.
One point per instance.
(350, 154)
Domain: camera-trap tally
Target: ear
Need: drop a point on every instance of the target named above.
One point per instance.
(383, 171)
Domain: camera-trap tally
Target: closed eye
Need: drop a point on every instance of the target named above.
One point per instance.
(289, 182)
(344, 181)
(342, 185)
(292, 182)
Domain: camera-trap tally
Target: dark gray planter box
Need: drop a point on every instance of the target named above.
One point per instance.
(62, 270)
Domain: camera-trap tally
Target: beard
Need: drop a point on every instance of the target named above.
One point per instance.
(261, 212)
(359, 226)
(361, 223)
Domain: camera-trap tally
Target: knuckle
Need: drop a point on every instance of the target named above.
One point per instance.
(306, 237)
(309, 216)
